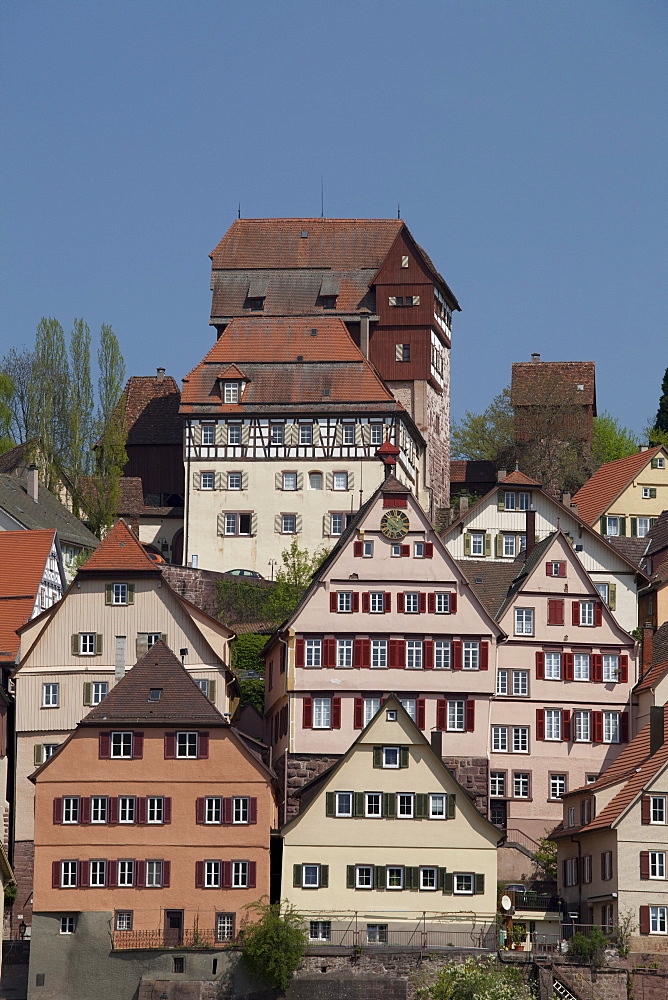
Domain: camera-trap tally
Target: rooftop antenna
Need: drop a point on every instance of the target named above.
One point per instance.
(239, 211)
(398, 210)
(322, 197)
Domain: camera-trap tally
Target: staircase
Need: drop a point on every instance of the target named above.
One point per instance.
(522, 842)
(563, 992)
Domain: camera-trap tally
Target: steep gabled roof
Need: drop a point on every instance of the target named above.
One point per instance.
(23, 559)
(599, 492)
(464, 471)
(517, 478)
(16, 457)
(535, 383)
(490, 581)
(48, 512)
(152, 410)
(120, 552)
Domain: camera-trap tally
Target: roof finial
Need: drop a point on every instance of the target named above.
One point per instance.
(517, 466)
(239, 211)
(398, 210)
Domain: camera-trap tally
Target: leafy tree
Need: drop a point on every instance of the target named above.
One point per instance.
(80, 408)
(545, 860)
(611, 440)
(487, 436)
(661, 420)
(252, 692)
(246, 651)
(273, 946)
(293, 577)
(655, 436)
(19, 367)
(476, 980)
(48, 398)
(6, 393)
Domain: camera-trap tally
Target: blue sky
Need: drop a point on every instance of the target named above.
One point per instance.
(524, 141)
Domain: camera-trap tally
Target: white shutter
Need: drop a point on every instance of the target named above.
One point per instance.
(365, 431)
(278, 523)
(329, 480)
(221, 481)
(292, 434)
(416, 300)
(221, 435)
(245, 433)
(197, 435)
(221, 524)
(244, 480)
(326, 525)
(197, 479)
(299, 523)
(253, 523)
(392, 301)
(338, 436)
(351, 480)
(316, 433)
(398, 352)
(359, 434)
(278, 480)
(300, 480)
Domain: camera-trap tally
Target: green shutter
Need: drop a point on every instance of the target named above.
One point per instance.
(324, 876)
(403, 756)
(634, 527)
(297, 876)
(358, 803)
(389, 805)
(212, 691)
(330, 804)
(98, 644)
(622, 526)
(421, 806)
(75, 644)
(612, 596)
(501, 501)
(498, 542)
(38, 754)
(467, 543)
(411, 878)
(488, 544)
(108, 593)
(652, 522)
(604, 525)
(452, 799)
(652, 493)
(350, 876)
(479, 884)
(448, 883)
(441, 878)
(131, 593)
(655, 463)
(379, 876)
(87, 693)
(163, 636)
(377, 756)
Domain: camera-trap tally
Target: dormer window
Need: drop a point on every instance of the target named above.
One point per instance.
(329, 302)
(256, 293)
(256, 303)
(231, 392)
(329, 290)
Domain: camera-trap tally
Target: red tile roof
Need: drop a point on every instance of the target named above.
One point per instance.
(255, 338)
(652, 677)
(464, 471)
(538, 382)
(120, 551)
(152, 410)
(518, 478)
(23, 559)
(599, 492)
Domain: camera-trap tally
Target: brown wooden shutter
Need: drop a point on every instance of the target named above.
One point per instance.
(167, 809)
(624, 727)
(111, 874)
(356, 603)
(137, 746)
(597, 667)
(644, 920)
(358, 548)
(623, 677)
(307, 713)
(227, 810)
(140, 874)
(141, 810)
(336, 712)
(597, 727)
(200, 810)
(405, 550)
(252, 874)
(431, 604)
(565, 725)
(299, 653)
(84, 809)
(358, 713)
(401, 603)
(333, 600)
(366, 603)
(457, 655)
(58, 810)
(540, 665)
(644, 864)
(112, 809)
(555, 612)
(170, 746)
(575, 613)
(420, 713)
(441, 713)
(422, 603)
(452, 609)
(598, 615)
(83, 874)
(470, 716)
(429, 550)
(55, 874)
(166, 874)
(645, 810)
(387, 604)
(484, 655)
(329, 652)
(540, 723)
(199, 874)
(569, 666)
(104, 746)
(252, 810)
(548, 568)
(428, 654)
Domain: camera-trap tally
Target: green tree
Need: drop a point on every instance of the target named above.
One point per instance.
(545, 860)
(6, 393)
(661, 419)
(293, 577)
(481, 979)
(611, 440)
(48, 398)
(103, 488)
(252, 692)
(19, 367)
(273, 946)
(77, 460)
(487, 436)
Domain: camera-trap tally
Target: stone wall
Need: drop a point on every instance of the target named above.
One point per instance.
(473, 774)
(301, 768)
(197, 586)
(23, 866)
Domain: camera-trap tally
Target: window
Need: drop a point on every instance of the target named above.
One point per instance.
(213, 811)
(396, 549)
(234, 434)
(376, 434)
(658, 915)
(186, 744)
(364, 877)
(373, 805)
(552, 723)
(367, 549)
(71, 809)
(643, 525)
(571, 871)
(322, 713)
(456, 714)
(154, 874)
(336, 524)
(523, 621)
(405, 805)
(418, 550)
(119, 593)
(123, 920)
(657, 864)
(306, 434)
(377, 603)
(586, 612)
(379, 652)
(48, 750)
(99, 690)
(611, 727)
(658, 809)
(67, 925)
(394, 877)
(500, 739)
(606, 865)
(234, 480)
(409, 705)
(571, 816)
(604, 591)
(155, 811)
(277, 434)
(313, 652)
(509, 501)
(238, 524)
(320, 930)
(98, 809)
(377, 933)
(610, 668)
(557, 785)
(470, 655)
(556, 568)
(442, 654)
(520, 739)
(612, 526)
(581, 666)
(224, 927)
(553, 666)
(586, 868)
(126, 809)
(289, 480)
(87, 643)
(497, 784)
(340, 481)
(315, 480)
(391, 757)
(477, 543)
(231, 392)
(207, 481)
(414, 654)
(428, 879)
(98, 871)
(463, 884)
(208, 434)
(348, 434)
(212, 874)
(412, 603)
(50, 695)
(344, 652)
(509, 545)
(344, 602)
(442, 604)
(521, 785)
(204, 684)
(402, 352)
(68, 874)
(437, 806)
(582, 726)
(126, 873)
(256, 303)
(520, 683)
(649, 493)
(288, 524)
(121, 745)
(178, 963)
(502, 682)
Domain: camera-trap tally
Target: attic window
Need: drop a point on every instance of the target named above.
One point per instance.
(581, 388)
(478, 580)
(304, 234)
(256, 303)
(329, 301)
(314, 332)
(391, 715)
(230, 392)
(155, 694)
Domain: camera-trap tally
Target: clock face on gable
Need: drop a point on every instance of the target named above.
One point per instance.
(394, 524)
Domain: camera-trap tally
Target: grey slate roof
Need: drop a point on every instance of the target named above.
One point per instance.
(495, 580)
(48, 512)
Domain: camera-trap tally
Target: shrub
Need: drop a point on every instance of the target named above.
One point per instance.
(476, 980)
(589, 948)
(273, 946)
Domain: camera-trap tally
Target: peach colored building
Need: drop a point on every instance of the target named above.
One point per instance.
(155, 814)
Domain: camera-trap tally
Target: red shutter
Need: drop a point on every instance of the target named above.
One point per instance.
(199, 874)
(227, 874)
(548, 569)
(58, 810)
(598, 615)
(366, 652)
(333, 600)
(540, 723)
(401, 603)
(644, 864)
(623, 670)
(357, 652)
(453, 603)
(104, 746)
(431, 603)
(457, 655)
(484, 655)
(141, 809)
(397, 653)
(428, 654)
(441, 713)
(170, 746)
(137, 746)
(405, 550)
(358, 713)
(540, 666)
(83, 874)
(111, 871)
(569, 666)
(624, 727)
(597, 727)
(394, 500)
(597, 667)
(429, 550)
(422, 603)
(555, 612)
(252, 810)
(562, 569)
(387, 604)
(470, 716)
(356, 603)
(420, 713)
(112, 809)
(140, 874)
(299, 652)
(575, 613)
(644, 919)
(200, 810)
(203, 746)
(565, 725)
(329, 652)
(84, 809)
(227, 810)
(167, 809)
(366, 604)
(55, 874)
(336, 712)
(645, 810)
(252, 874)
(358, 548)
(307, 716)
(166, 874)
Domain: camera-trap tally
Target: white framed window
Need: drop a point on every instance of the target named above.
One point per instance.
(367, 549)
(456, 714)
(208, 434)
(442, 604)
(186, 744)
(394, 877)
(502, 682)
(348, 434)
(396, 550)
(87, 643)
(213, 809)
(571, 871)
(581, 666)
(409, 705)
(373, 806)
(322, 713)
(344, 652)
(123, 920)
(604, 591)
(364, 877)
(320, 930)
(277, 434)
(557, 785)
(126, 809)
(523, 621)
(552, 723)
(657, 812)
(520, 736)
(524, 501)
(509, 501)
(377, 602)
(313, 652)
(657, 864)
(442, 658)
(98, 873)
(288, 524)
(68, 874)
(497, 784)
(500, 739)
(437, 806)
(48, 750)
(658, 915)
(586, 868)
(207, 481)
(470, 655)
(99, 690)
(289, 480)
(375, 434)
(428, 879)
(336, 521)
(611, 727)
(377, 933)
(212, 874)
(121, 745)
(239, 874)
(379, 653)
(224, 927)
(204, 684)
(340, 481)
(612, 526)
(405, 805)
(71, 809)
(67, 925)
(642, 527)
(238, 524)
(610, 668)
(582, 720)
(463, 884)
(50, 695)
(606, 865)
(344, 602)
(155, 809)
(571, 816)
(418, 550)
(509, 545)
(520, 683)
(152, 638)
(234, 480)
(414, 654)
(586, 613)
(98, 809)
(412, 602)
(553, 666)
(477, 543)
(521, 785)
(119, 593)
(310, 876)
(306, 434)
(154, 874)
(234, 434)
(391, 757)
(315, 480)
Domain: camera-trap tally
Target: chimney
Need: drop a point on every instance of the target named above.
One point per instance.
(160, 374)
(463, 504)
(364, 335)
(655, 729)
(535, 358)
(566, 499)
(643, 447)
(437, 743)
(647, 646)
(501, 474)
(33, 483)
(531, 532)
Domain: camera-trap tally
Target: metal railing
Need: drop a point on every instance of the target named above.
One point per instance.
(520, 837)
(193, 938)
(383, 936)
(542, 902)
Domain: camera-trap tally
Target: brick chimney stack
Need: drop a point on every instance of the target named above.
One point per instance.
(531, 532)
(160, 375)
(647, 647)
(535, 358)
(33, 483)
